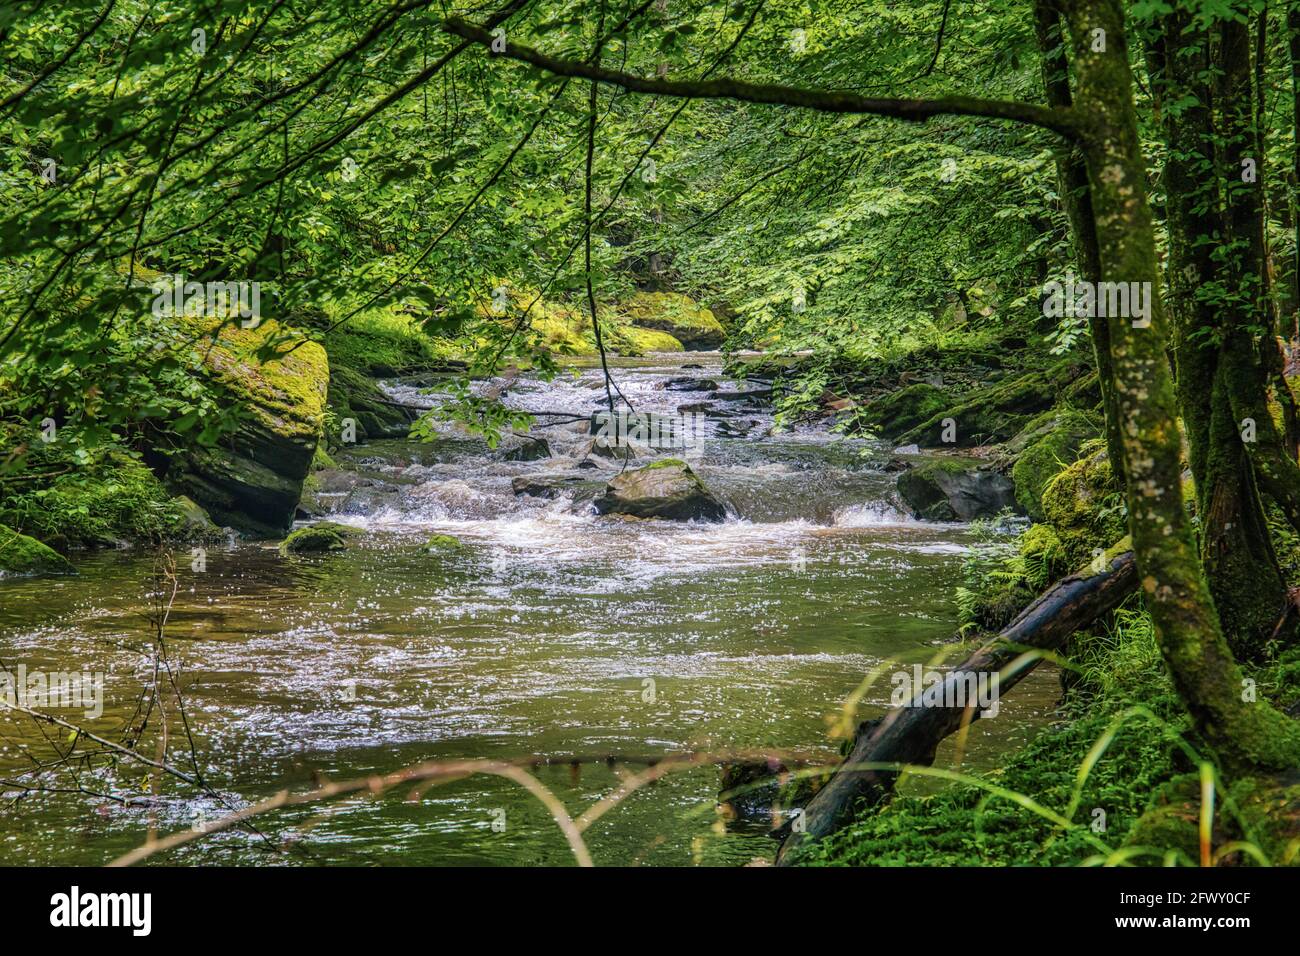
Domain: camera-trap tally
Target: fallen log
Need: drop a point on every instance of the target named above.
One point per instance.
(911, 734)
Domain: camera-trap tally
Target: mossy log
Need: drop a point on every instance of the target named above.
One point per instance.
(912, 734)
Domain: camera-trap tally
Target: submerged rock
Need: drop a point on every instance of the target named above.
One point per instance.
(20, 554)
(323, 536)
(665, 489)
(687, 383)
(951, 489)
(528, 448)
(550, 486)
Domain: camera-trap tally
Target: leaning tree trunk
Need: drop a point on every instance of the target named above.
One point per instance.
(1187, 627)
(912, 734)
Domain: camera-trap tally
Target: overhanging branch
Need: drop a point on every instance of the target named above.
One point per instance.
(1066, 122)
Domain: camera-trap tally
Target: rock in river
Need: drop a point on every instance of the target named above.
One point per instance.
(665, 489)
(252, 478)
(953, 489)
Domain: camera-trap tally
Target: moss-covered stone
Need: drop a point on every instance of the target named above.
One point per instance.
(685, 319)
(896, 413)
(632, 340)
(667, 488)
(955, 489)
(354, 395)
(1054, 443)
(1084, 507)
(20, 554)
(995, 413)
(444, 544)
(322, 536)
(193, 523)
(253, 478)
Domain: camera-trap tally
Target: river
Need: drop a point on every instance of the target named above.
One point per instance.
(556, 633)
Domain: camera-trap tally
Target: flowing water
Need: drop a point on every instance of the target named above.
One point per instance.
(555, 633)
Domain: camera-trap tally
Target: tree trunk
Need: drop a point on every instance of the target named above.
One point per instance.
(1072, 176)
(1186, 624)
(1244, 578)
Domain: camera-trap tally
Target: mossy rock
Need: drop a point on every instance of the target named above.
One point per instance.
(444, 544)
(20, 554)
(1058, 438)
(322, 536)
(696, 327)
(995, 413)
(667, 488)
(193, 523)
(357, 396)
(1083, 505)
(632, 340)
(253, 478)
(896, 413)
(955, 489)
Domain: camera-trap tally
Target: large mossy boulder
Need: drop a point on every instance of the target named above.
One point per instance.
(20, 554)
(996, 413)
(896, 413)
(690, 323)
(1050, 444)
(1085, 506)
(955, 489)
(252, 478)
(667, 488)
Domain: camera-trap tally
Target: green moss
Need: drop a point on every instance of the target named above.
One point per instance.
(688, 321)
(999, 411)
(20, 554)
(444, 543)
(111, 498)
(356, 396)
(323, 536)
(963, 825)
(630, 340)
(894, 414)
(1084, 506)
(385, 342)
(283, 390)
(1059, 435)
(1042, 550)
(669, 463)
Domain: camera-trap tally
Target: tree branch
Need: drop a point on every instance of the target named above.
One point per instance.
(1066, 122)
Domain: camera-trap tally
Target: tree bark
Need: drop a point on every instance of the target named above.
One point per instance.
(1208, 680)
(1076, 199)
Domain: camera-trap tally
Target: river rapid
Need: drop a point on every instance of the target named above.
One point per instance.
(555, 632)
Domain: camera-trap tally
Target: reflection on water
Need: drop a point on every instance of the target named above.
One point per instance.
(555, 633)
